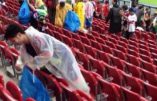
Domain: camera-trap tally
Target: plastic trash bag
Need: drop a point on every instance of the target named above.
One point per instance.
(31, 86)
(24, 14)
(71, 21)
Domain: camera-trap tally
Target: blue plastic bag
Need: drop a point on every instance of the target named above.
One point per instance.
(24, 14)
(71, 21)
(31, 86)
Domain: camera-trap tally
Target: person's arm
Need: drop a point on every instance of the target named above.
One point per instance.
(44, 56)
(31, 6)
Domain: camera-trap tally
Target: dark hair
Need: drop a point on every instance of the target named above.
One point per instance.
(62, 4)
(125, 7)
(12, 31)
(140, 7)
(106, 2)
(131, 10)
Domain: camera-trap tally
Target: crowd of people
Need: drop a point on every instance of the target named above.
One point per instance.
(42, 50)
(122, 18)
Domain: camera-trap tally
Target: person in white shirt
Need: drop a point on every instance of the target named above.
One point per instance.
(89, 11)
(131, 19)
(154, 23)
(40, 50)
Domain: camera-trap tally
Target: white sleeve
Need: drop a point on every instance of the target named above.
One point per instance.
(45, 53)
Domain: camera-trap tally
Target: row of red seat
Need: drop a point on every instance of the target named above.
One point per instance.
(10, 91)
(63, 38)
(100, 25)
(58, 33)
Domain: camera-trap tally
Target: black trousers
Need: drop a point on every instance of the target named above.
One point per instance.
(128, 35)
(52, 14)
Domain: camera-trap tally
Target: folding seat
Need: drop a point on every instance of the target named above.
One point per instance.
(131, 96)
(133, 43)
(74, 95)
(154, 55)
(133, 70)
(91, 37)
(76, 36)
(50, 83)
(83, 59)
(119, 54)
(67, 33)
(50, 26)
(100, 40)
(14, 90)
(152, 46)
(149, 77)
(144, 47)
(121, 43)
(107, 49)
(11, 55)
(108, 91)
(96, 45)
(150, 92)
(121, 48)
(152, 36)
(112, 40)
(92, 82)
(145, 36)
(133, 60)
(149, 66)
(97, 66)
(85, 40)
(144, 52)
(104, 37)
(117, 62)
(58, 29)
(133, 48)
(68, 94)
(146, 58)
(114, 36)
(153, 50)
(3, 44)
(49, 31)
(110, 44)
(132, 52)
(103, 56)
(123, 40)
(113, 75)
(84, 96)
(151, 42)
(5, 95)
(57, 35)
(138, 34)
(96, 34)
(131, 83)
(67, 40)
(78, 44)
(142, 42)
(90, 51)
(81, 33)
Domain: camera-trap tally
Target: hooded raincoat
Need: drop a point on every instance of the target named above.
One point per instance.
(79, 9)
(55, 56)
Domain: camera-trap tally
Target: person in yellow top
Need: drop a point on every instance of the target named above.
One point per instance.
(79, 9)
(61, 10)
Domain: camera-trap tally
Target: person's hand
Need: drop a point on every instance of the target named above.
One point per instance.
(18, 67)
